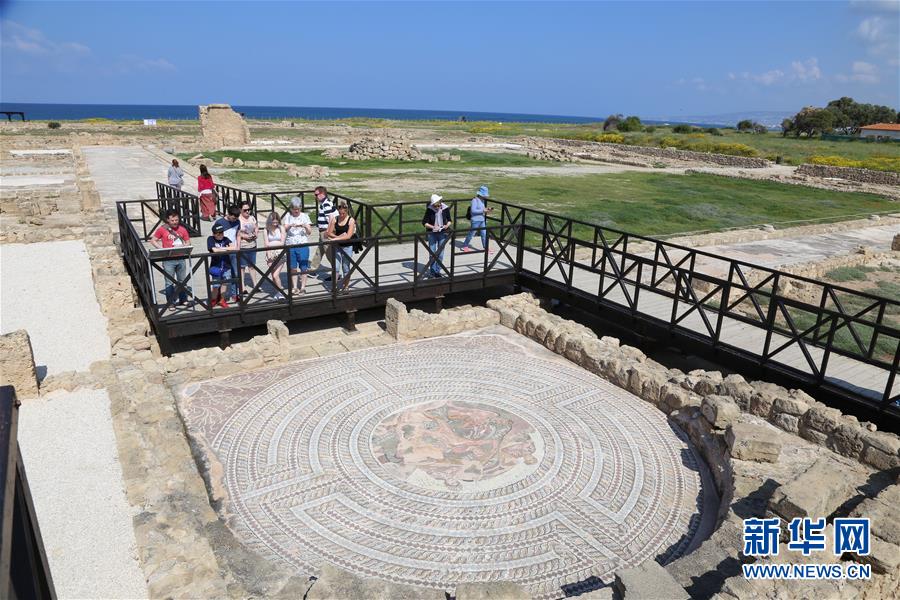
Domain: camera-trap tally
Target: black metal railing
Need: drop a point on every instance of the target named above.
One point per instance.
(371, 271)
(794, 314)
(789, 322)
(187, 205)
(24, 571)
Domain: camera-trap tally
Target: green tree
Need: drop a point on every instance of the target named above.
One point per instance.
(850, 115)
(787, 126)
(631, 123)
(612, 122)
(813, 121)
(745, 125)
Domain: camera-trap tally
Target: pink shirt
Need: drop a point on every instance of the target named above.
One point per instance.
(173, 237)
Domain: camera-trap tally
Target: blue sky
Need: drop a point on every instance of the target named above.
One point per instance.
(591, 59)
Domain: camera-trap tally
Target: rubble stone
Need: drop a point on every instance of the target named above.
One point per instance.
(648, 581)
(18, 364)
(747, 441)
(720, 411)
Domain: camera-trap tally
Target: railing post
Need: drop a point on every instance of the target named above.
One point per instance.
(828, 344)
(770, 317)
(886, 398)
(723, 304)
(520, 248)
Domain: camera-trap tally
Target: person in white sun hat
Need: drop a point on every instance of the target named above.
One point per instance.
(478, 215)
(437, 224)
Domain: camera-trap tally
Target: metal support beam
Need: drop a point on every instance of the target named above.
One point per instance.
(224, 338)
(351, 321)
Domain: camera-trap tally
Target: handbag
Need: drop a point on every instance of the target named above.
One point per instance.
(357, 242)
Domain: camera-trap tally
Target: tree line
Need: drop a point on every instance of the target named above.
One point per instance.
(844, 115)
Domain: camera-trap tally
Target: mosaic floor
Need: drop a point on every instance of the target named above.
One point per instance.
(468, 458)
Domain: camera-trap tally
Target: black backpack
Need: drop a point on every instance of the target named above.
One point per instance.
(469, 212)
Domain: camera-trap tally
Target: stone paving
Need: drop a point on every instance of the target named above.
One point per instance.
(128, 172)
(418, 464)
(784, 252)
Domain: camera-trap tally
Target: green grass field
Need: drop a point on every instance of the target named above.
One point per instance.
(666, 204)
(794, 151)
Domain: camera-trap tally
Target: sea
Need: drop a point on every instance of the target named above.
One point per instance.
(131, 112)
(61, 112)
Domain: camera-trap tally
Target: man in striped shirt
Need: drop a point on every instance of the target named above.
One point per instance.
(325, 212)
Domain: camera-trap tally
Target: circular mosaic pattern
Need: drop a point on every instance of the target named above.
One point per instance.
(431, 465)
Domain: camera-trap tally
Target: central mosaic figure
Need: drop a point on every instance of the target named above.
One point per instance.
(456, 445)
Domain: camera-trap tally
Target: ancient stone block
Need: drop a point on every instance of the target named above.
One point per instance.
(738, 388)
(761, 403)
(719, 410)
(492, 590)
(846, 439)
(789, 423)
(880, 459)
(820, 418)
(221, 126)
(815, 493)
(888, 443)
(278, 330)
(648, 581)
(337, 584)
(396, 318)
(17, 359)
(752, 442)
(790, 405)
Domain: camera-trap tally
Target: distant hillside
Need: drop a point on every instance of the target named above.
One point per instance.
(769, 118)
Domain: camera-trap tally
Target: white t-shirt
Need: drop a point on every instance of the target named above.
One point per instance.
(295, 232)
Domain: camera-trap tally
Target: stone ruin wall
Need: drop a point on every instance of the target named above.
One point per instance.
(52, 212)
(562, 150)
(220, 126)
(851, 173)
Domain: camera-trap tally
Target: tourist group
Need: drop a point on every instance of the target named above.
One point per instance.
(238, 229)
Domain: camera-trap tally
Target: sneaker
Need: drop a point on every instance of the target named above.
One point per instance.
(466, 249)
(222, 303)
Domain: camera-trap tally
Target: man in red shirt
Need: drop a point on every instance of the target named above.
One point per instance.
(172, 234)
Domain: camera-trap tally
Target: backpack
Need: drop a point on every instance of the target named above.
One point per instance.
(469, 212)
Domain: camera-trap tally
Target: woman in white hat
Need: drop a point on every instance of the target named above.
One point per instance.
(437, 223)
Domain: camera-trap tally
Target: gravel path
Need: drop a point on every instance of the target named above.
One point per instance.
(69, 449)
(47, 289)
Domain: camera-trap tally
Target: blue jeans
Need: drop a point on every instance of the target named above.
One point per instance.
(478, 224)
(343, 260)
(234, 272)
(436, 244)
(177, 270)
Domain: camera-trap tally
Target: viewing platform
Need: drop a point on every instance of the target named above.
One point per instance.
(842, 347)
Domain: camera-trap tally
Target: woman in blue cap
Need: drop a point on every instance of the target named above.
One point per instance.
(479, 212)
